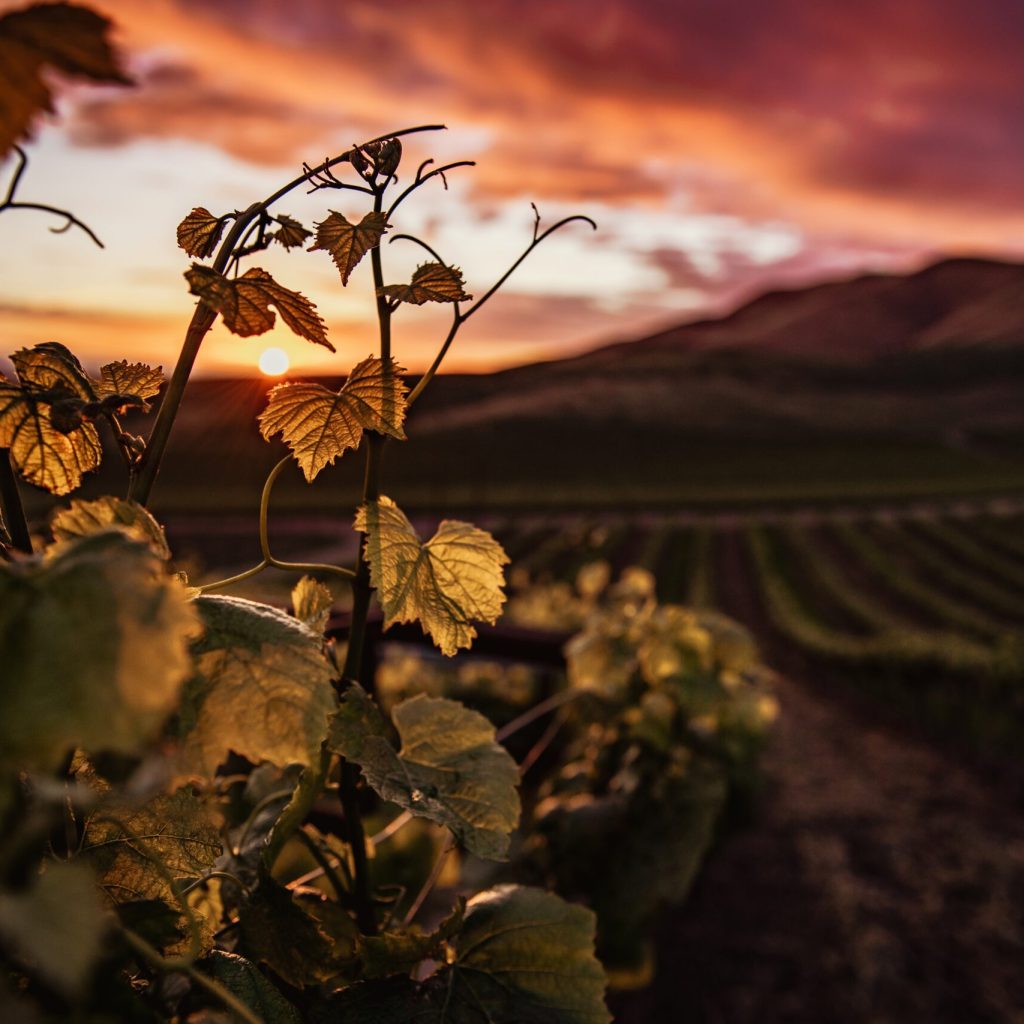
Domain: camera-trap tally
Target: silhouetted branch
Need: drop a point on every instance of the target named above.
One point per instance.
(10, 203)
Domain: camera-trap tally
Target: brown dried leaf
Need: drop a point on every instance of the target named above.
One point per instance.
(199, 233)
(244, 303)
(432, 282)
(66, 37)
(321, 425)
(348, 243)
(290, 232)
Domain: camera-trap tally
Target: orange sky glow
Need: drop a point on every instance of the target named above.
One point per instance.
(723, 147)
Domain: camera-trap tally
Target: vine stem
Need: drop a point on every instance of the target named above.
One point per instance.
(203, 318)
(169, 966)
(11, 506)
(268, 558)
(428, 885)
(10, 203)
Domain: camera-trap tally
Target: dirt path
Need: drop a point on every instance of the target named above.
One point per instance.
(879, 882)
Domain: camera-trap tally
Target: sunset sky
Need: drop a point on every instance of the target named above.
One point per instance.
(723, 146)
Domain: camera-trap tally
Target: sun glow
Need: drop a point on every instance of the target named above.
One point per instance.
(273, 362)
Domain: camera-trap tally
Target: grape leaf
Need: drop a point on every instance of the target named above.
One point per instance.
(139, 850)
(244, 980)
(95, 644)
(431, 282)
(288, 936)
(56, 926)
(199, 232)
(66, 37)
(348, 243)
(83, 518)
(450, 769)
(262, 689)
(244, 303)
(524, 956)
(41, 422)
(52, 367)
(311, 603)
(290, 233)
(453, 579)
(124, 378)
(391, 953)
(44, 455)
(320, 425)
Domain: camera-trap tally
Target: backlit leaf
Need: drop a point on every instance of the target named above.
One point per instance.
(83, 518)
(348, 243)
(94, 648)
(450, 769)
(290, 233)
(432, 282)
(524, 956)
(66, 37)
(41, 423)
(199, 233)
(139, 851)
(42, 454)
(311, 603)
(56, 926)
(446, 584)
(244, 303)
(262, 689)
(320, 425)
(124, 378)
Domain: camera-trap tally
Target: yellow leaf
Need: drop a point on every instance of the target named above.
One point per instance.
(320, 425)
(52, 367)
(290, 232)
(62, 36)
(432, 282)
(83, 518)
(244, 303)
(41, 453)
(446, 584)
(124, 378)
(311, 603)
(199, 232)
(94, 645)
(349, 243)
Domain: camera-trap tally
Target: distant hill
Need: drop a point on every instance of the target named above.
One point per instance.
(877, 386)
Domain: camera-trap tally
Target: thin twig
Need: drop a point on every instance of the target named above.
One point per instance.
(435, 874)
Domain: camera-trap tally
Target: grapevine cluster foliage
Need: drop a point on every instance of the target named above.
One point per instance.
(168, 754)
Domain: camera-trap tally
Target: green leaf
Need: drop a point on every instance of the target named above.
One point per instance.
(95, 651)
(311, 603)
(138, 851)
(290, 232)
(446, 584)
(431, 282)
(243, 979)
(244, 303)
(320, 425)
(84, 518)
(199, 233)
(392, 953)
(286, 935)
(33, 40)
(349, 243)
(56, 926)
(449, 769)
(129, 379)
(524, 956)
(262, 689)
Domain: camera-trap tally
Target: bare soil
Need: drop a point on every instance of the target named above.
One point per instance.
(880, 879)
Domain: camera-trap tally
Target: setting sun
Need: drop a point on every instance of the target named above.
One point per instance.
(273, 362)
